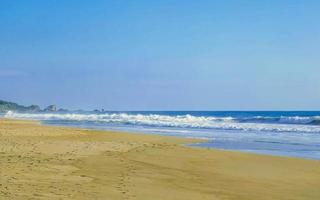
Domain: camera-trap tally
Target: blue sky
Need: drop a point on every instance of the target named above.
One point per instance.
(161, 55)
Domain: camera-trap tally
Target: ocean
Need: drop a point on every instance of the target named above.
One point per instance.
(285, 133)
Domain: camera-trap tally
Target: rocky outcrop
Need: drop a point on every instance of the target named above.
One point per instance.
(34, 108)
(63, 110)
(51, 108)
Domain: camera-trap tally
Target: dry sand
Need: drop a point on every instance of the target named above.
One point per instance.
(42, 162)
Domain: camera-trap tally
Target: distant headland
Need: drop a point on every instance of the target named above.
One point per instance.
(10, 106)
(6, 106)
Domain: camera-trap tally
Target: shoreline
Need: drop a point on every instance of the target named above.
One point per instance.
(194, 144)
(273, 133)
(55, 162)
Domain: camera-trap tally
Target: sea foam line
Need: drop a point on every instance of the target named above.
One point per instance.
(179, 121)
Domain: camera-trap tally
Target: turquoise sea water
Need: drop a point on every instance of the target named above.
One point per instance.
(295, 134)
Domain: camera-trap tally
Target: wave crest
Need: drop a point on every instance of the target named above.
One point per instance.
(181, 121)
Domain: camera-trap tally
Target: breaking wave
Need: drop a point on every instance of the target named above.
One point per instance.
(311, 120)
(257, 123)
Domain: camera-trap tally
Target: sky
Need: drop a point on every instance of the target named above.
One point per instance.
(161, 55)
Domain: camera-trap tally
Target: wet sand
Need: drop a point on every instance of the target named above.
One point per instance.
(43, 162)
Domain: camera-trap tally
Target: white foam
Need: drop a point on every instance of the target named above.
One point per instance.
(297, 119)
(180, 121)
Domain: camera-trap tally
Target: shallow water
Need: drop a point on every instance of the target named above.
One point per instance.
(294, 134)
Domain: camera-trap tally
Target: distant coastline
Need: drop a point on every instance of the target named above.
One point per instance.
(6, 106)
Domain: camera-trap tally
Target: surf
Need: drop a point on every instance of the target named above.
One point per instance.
(255, 123)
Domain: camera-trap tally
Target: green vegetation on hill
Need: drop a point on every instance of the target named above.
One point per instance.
(6, 106)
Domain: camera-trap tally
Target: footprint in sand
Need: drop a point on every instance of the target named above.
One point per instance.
(125, 177)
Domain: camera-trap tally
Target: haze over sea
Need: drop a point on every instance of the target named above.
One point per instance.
(286, 133)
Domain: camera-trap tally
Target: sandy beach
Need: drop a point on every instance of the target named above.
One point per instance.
(44, 162)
